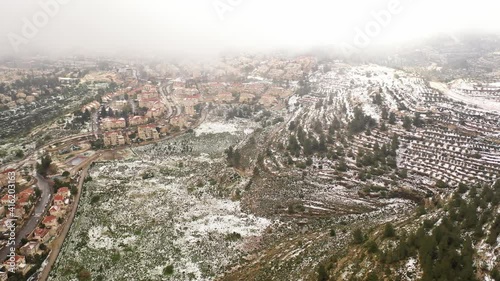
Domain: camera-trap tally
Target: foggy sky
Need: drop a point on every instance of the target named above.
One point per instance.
(210, 26)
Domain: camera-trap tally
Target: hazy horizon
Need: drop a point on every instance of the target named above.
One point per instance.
(213, 26)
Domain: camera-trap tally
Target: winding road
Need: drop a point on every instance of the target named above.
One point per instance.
(40, 208)
(43, 203)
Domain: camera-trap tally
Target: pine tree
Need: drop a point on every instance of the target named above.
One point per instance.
(392, 118)
(389, 230)
(357, 236)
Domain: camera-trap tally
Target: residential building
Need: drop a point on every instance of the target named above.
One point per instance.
(17, 263)
(119, 105)
(50, 221)
(5, 224)
(148, 95)
(113, 123)
(91, 106)
(23, 201)
(179, 121)
(148, 132)
(189, 110)
(41, 234)
(114, 139)
(19, 211)
(64, 191)
(30, 249)
(3, 276)
(155, 111)
(57, 211)
(59, 200)
(224, 97)
(4, 177)
(6, 199)
(148, 103)
(138, 120)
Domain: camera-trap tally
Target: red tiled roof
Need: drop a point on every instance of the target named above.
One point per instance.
(23, 199)
(49, 219)
(8, 170)
(17, 258)
(41, 232)
(63, 190)
(28, 191)
(148, 126)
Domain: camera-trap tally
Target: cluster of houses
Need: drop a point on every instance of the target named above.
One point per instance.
(40, 238)
(273, 67)
(94, 105)
(116, 133)
(24, 202)
(261, 92)
(180, 107)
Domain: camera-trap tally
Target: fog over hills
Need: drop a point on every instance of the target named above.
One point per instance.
(211, 26)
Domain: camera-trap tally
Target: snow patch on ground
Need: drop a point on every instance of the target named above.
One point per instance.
(215, 128)
(150, 223)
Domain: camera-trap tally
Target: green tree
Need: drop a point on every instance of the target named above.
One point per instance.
(407, 122)
(38, 192)
(168, 270)
(19, 153)
(358, 236)
(392, 118)
(371, 246)
(417, 120)
(43, 167)
(322, 273)
(389, 230)
(342, 166)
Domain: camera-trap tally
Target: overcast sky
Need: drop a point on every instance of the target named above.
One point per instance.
(207, 26)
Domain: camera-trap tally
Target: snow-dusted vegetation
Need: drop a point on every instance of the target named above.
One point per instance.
(168, 212)
(306, 189)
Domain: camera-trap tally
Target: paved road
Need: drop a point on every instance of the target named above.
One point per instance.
(44, 186)
(59, 240)
(34, 156)
(33, 221)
